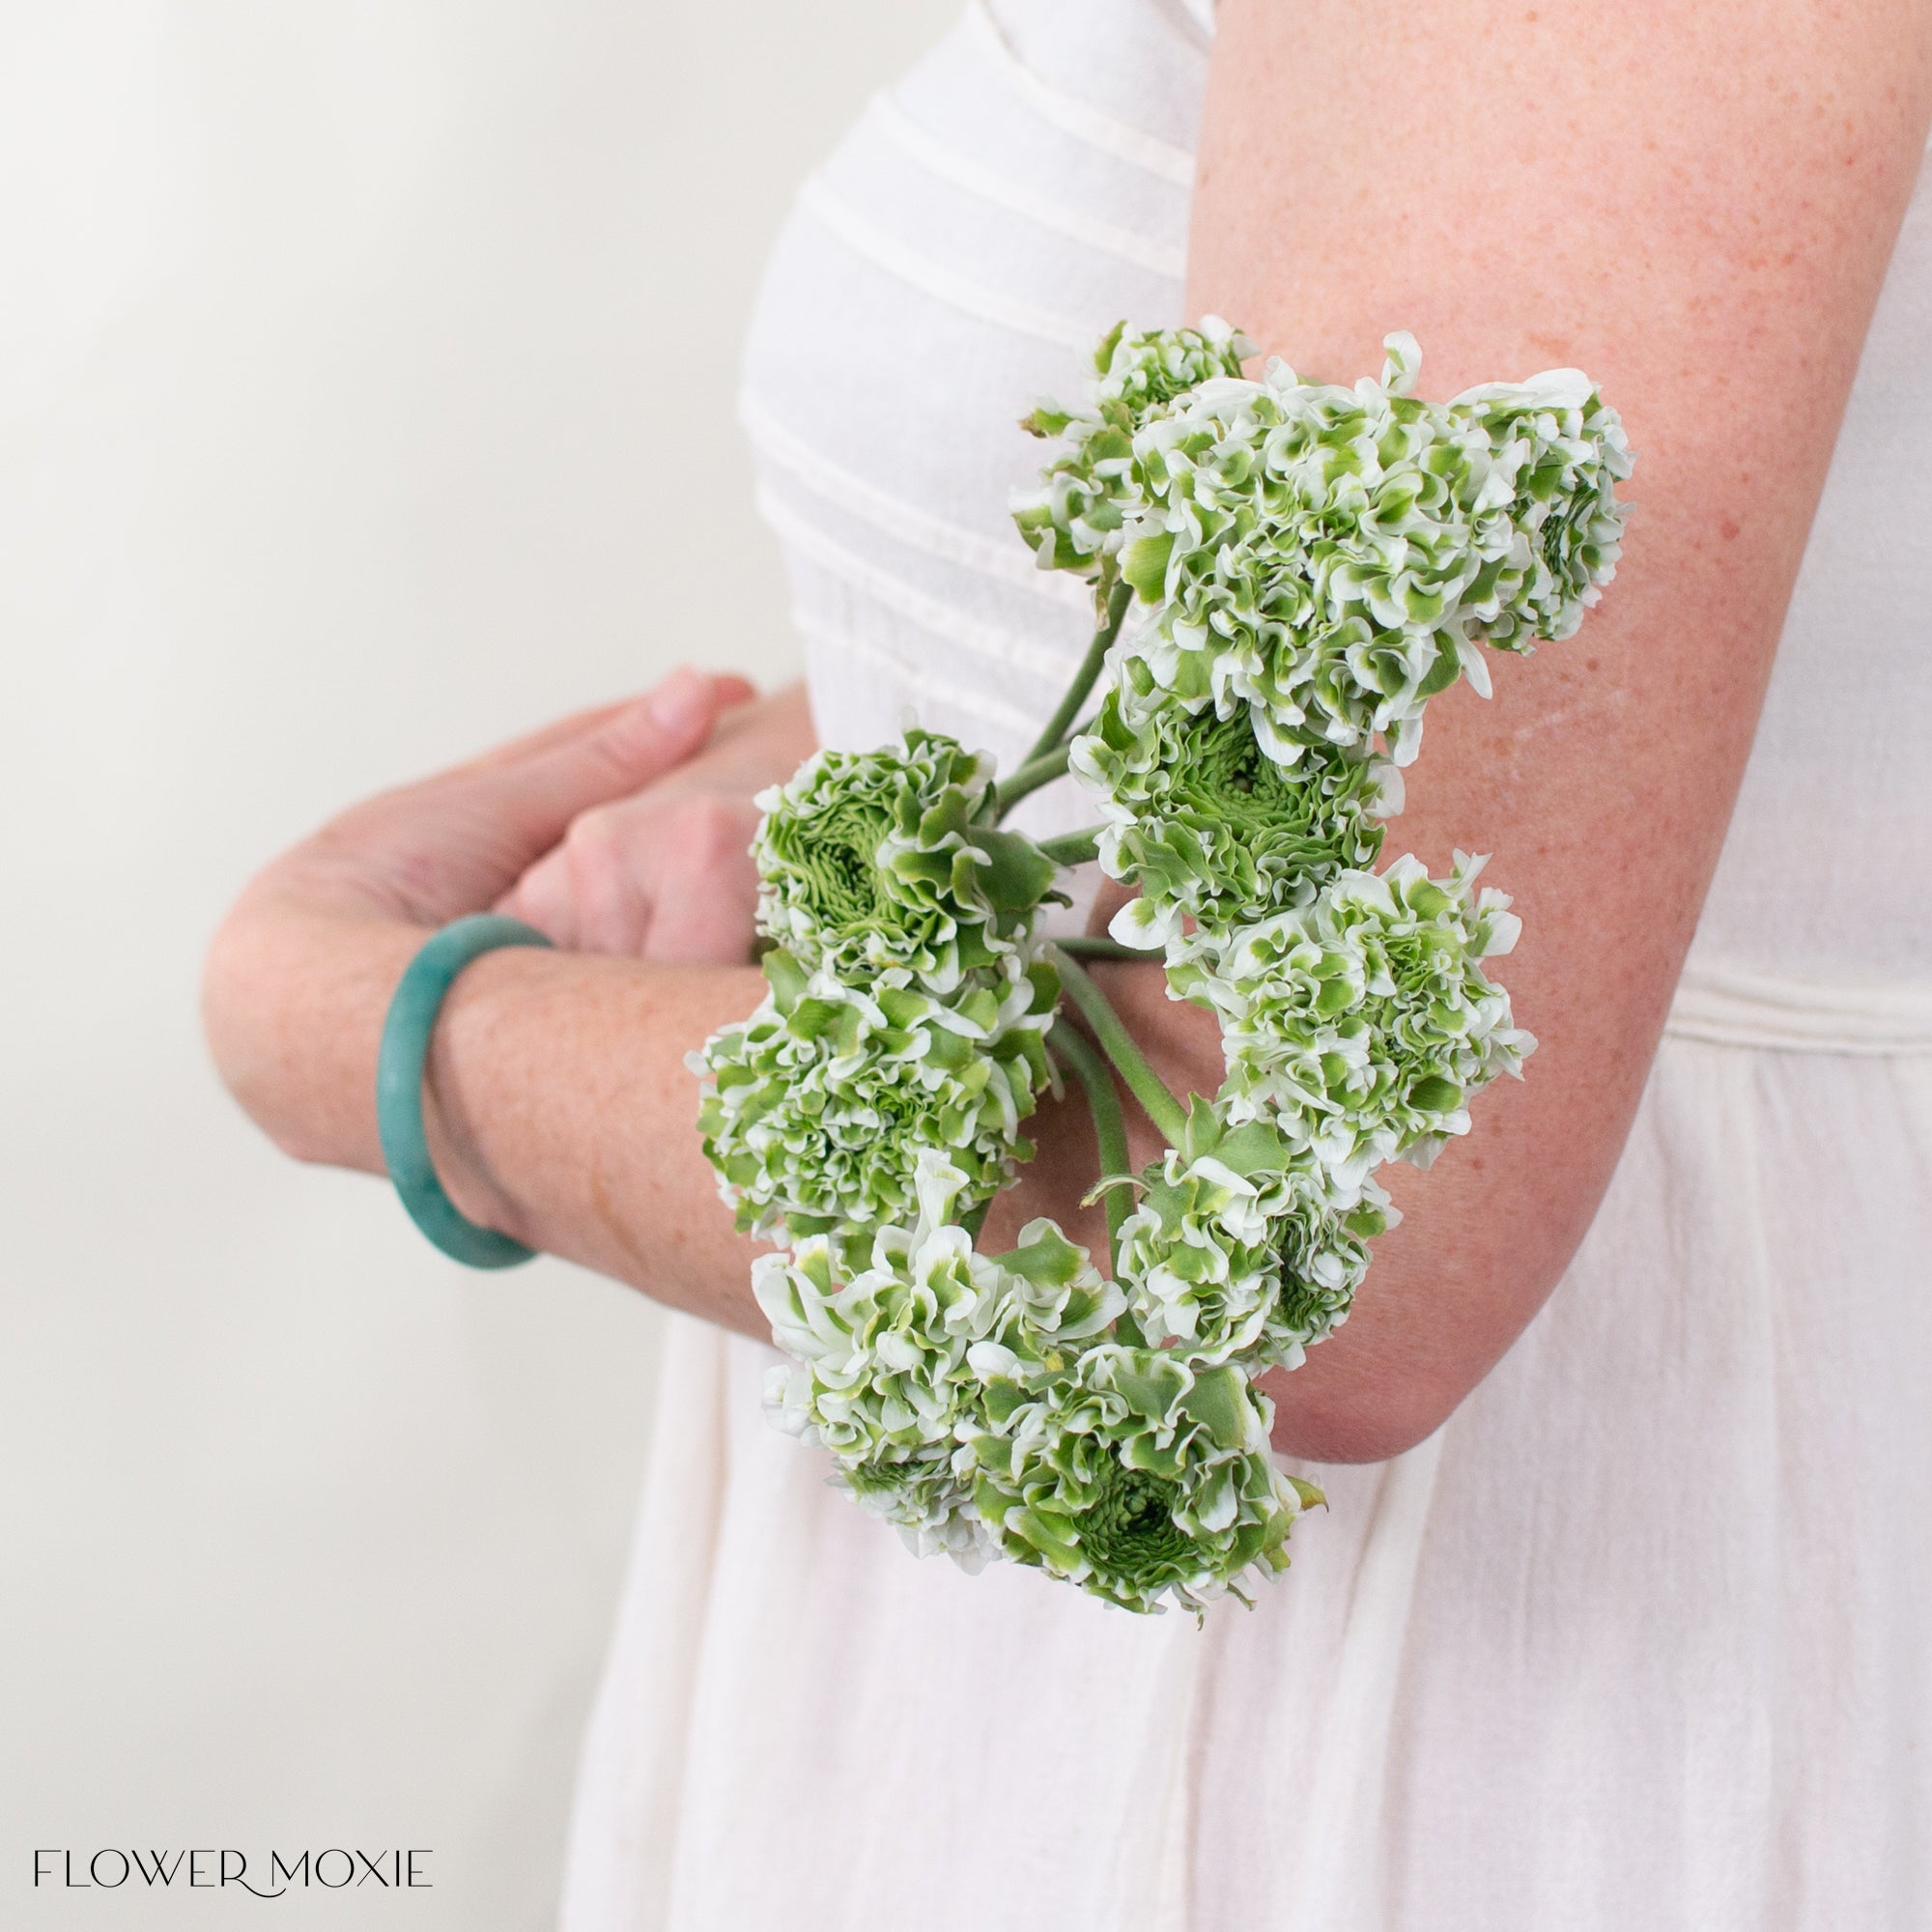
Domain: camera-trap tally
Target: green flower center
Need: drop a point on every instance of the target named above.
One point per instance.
(1129, 1532)
(835, 861)
(1303, 1303)
(1230, 761)
(878, 1479)
(1224, 773)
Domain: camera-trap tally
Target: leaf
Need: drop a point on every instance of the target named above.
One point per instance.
(1016, 875)
(1143, 565)
(787, 977)
(1218, 1402)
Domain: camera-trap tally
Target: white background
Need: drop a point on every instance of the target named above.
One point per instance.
(366, 382)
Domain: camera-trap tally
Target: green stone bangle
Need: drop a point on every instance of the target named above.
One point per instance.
(398, 1081)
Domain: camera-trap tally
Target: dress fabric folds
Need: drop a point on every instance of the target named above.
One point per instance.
(1637, 1641)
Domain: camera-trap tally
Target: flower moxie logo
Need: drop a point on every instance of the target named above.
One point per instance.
(334, 1869)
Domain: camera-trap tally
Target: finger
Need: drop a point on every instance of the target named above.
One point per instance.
(530, 805)
(728, 691)
(533, 743)
(609, 856)
(704, 888)
(456, 843)
(542, 897)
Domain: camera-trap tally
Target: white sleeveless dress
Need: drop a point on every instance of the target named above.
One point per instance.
(1639, 1640)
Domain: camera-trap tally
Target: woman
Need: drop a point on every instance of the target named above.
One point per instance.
(1628, 1639)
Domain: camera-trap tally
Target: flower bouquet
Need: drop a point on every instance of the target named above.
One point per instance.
(1305, 566)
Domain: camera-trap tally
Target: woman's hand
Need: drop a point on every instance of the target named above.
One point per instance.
(559, 1103)
(454, 843)
(666, 874)
(314, 945)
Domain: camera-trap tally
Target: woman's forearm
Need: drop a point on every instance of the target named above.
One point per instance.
(559, 1104)
(561, 1112)
(556, 1101)
(565, 1108)
(556, 1084)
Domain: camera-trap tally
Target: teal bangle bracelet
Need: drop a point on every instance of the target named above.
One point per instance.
(399, 1084)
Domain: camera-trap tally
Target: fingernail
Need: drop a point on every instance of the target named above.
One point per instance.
(682, 704)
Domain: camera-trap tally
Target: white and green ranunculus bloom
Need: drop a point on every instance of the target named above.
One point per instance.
(889, 1364)
(1313, 563)
(1074, 517)
(1360, 1023)
(1332, 557)
(873, 860)
(1242, 1249)
(871, 1382)
(821, 1103)
(1136, 1477)
(1209, 821)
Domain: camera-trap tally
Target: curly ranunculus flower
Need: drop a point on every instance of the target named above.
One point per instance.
(1072, 518)
(1361, 1023)
(1242, 1247)
(1313, 563)
(878, 1374)
(1136, 1477)
(821, 1103)
(870, 860)
(889, 1366)
(1334, 556)
(1211, 824)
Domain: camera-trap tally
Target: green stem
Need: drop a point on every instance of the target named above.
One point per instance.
(973, 1219)
(1103, 949)
(1037, 772)
(1110, 1130)
(1030, 777)
(1118, 600)
(1073, 849)
(1118, 1044)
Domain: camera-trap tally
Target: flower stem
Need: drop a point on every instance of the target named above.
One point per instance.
(1030, 775)
(1037, 772)
(1118, 1044)
(1110, 1130)
(1095, 947)
(1073, 849)
(1118, 600)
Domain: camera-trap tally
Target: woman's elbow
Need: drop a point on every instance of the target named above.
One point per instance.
(1415, 1347)
(1372, 1425)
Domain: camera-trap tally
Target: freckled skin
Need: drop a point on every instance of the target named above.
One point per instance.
(1605, 221)
(1632, 247)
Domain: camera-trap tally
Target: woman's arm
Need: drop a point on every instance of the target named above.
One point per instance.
(1697, 208)
(666, 875)
(556, 1085)
(559, 1106)
(1697, 205)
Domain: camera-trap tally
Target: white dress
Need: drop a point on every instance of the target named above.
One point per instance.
(1639, 1640)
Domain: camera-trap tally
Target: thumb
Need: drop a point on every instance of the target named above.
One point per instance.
(456, 843)
(533, 797)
